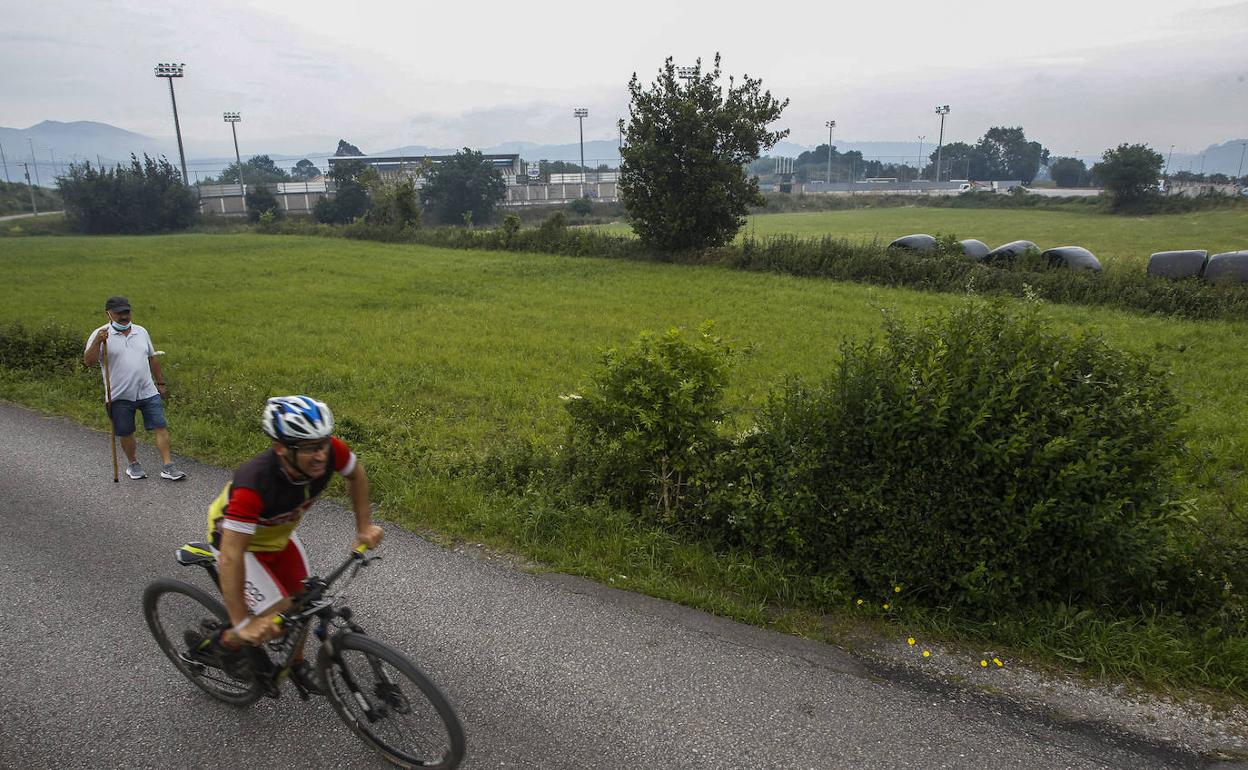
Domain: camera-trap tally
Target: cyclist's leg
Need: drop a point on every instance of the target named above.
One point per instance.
(288, 568)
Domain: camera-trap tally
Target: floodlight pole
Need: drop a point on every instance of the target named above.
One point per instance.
(831, 124)
(233, 118)
(922, 138)
(942, 111)
(580, 113)
(1168, 157)
(169, 72)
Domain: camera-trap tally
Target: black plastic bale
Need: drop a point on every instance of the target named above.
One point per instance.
(1007, 253)
(919, 243)
(1178, 264)
(1072, 257)
(974, 249)
(1228, 267)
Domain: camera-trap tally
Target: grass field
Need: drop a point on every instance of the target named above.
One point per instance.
(1116, 240)
(429, 357)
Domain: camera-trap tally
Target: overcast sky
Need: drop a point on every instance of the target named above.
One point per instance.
(1078, 75)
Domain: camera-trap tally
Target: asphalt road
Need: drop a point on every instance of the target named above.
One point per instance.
(545, 671)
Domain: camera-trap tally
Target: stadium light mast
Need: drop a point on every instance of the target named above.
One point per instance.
(831, 124)
(686, 73)
(922, 138)
(1168, 157)
(232, 118)
(171, 71)
(942, 111)
(580, 113)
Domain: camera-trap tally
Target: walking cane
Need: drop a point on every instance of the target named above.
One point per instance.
(108, 400)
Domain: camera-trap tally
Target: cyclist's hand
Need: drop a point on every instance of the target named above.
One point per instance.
(259, 631)
(370, 537)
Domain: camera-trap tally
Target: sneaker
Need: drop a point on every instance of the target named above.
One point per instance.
(135, 471)
(170, 472)
(302, 674)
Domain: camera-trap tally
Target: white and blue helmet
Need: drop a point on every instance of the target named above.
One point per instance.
(290, 419)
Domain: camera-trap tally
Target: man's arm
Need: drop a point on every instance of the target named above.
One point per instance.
(91, 356)
(158, 376)
(366, 532)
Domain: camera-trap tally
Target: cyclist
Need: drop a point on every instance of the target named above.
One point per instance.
(260, 561)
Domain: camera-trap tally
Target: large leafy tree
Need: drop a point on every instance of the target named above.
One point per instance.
(1006, 154)
(1068, 172)
(1129, 172)
(304, 169)
(683, 178)
(258, 170)
(465, 188)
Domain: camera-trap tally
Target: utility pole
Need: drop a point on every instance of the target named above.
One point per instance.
(1168, 157)
(1242, 147)
(33, 162)
(580, 113)
(6, 164)
(831, 124)
(233, 118)
(942, 111)
(171, 71)
(922, 138)
(33, 206)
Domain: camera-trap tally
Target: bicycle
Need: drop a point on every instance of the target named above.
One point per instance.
(360, 675)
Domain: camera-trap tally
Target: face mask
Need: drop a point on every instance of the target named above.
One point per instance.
(120, 327)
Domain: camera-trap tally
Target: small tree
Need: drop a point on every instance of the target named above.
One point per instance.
(351, 199)
(394, 203)
(1129, 172)
(467, 184)
(142, 197)
(261, 200)
(683, 176)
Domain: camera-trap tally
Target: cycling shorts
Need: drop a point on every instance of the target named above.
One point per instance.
(270, 576)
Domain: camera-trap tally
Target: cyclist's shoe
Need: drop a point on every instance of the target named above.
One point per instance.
(195, 639)
(301, 673)
(171, 472)
(238, 664)
(135, 471)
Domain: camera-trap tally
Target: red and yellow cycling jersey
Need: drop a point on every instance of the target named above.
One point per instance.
(264, 502)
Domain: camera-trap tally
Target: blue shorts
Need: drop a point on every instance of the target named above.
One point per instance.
(153, 410)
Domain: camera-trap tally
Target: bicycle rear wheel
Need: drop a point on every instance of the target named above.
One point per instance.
(389, 704)
(181, 615)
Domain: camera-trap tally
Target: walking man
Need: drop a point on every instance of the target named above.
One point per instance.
(138, 384)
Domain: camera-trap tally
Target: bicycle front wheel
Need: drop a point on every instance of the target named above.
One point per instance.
(181, 616)
(389, 704)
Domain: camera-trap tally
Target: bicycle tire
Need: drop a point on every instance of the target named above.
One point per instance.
(209, 679)
(346, 682)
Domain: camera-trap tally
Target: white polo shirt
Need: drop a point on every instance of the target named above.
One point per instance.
(128, 369)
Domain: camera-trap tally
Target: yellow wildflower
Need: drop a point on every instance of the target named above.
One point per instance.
(896, 589)
(927, 653)
(910, 641)
(886, 606)
(860, 602)
(998, 662)
(983, 664)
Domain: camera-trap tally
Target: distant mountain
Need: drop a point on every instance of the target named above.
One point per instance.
(80, 140)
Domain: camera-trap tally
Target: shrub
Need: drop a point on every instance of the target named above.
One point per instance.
(581, 206)
(977, 459)
(644, 432)
(40, 351)
(143, 197)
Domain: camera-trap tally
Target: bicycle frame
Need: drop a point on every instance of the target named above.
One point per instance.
(308, 605)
